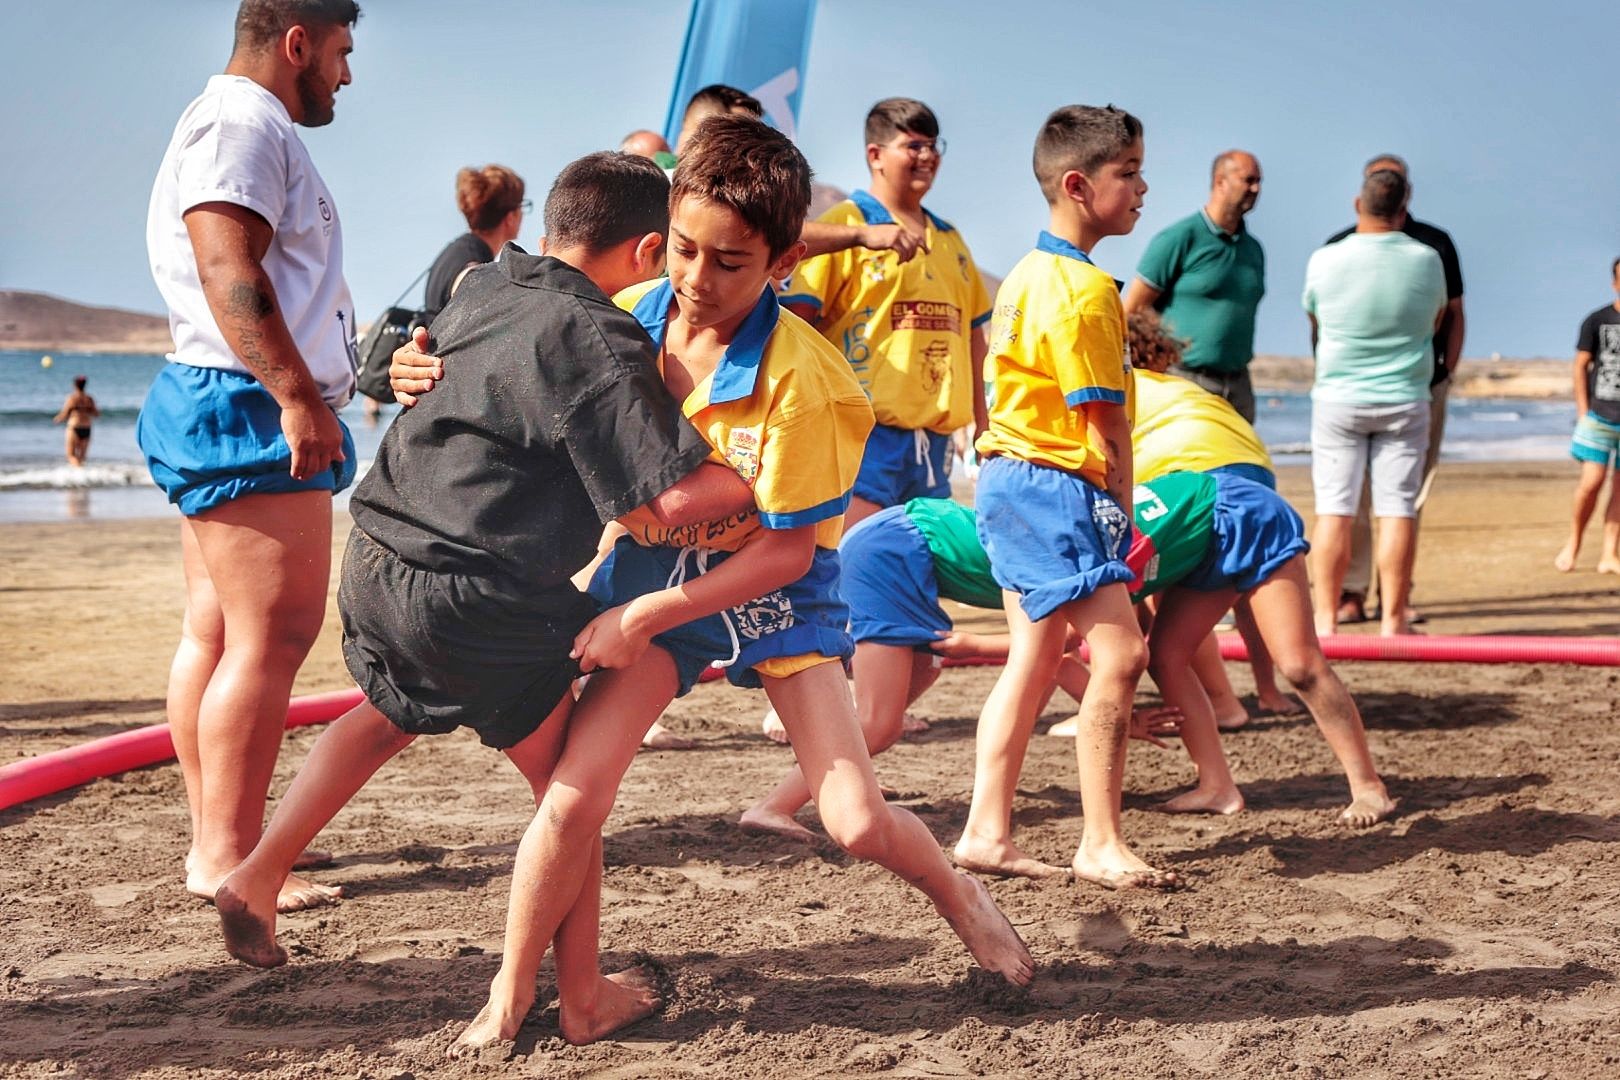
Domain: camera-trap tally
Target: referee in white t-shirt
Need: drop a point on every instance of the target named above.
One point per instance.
(240, 429)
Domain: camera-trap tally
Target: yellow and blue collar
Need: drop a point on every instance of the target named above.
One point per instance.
(738, 371)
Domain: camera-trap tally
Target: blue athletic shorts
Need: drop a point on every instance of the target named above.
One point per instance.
(899, 465)
(1596, 440)
(1256, 533)
(807, 616)
(210, 436)
(1247, 470)
(1051, 537)
(888, 582)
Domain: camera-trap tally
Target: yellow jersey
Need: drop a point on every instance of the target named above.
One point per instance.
(782, 409)
(1057, 343)
(1181, 427)
(905, 328)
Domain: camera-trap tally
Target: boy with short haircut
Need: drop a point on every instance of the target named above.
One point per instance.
(913, 331)
(784, 411)
(1054, 496)
(1597, 433)
(456, 600)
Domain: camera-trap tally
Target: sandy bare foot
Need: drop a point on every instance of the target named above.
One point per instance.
(1367, 809)
(1565, 561)
(1004, 859)
(772, 726)
(916, 725)
(1281, 705)
(988, 935)
(250, 935)
(1398, 628)
(659, 737)
(295, 894)
(1119, 868)
(312, 859)
(758, 820)
(1233, 720)
(1069, 727)
(621, 999)
(493, 1024)
(1199, 801)
(1326, 628)
(1608, 566)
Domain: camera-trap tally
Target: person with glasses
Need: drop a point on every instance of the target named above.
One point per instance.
(913, 331)
(491, 199)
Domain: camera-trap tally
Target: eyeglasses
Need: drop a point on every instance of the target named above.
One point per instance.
(526, 205)
(915, 148)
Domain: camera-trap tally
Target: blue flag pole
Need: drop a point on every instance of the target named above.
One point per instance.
(761, 47)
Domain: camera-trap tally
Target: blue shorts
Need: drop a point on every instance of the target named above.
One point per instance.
(899, 465)
(888, 582)
(1256, 534)
(1596, 440)
(210, 436)
(1246, 470)
(1052, 538)
(805, 617)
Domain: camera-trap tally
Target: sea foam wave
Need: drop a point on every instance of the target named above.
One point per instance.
(66, 477)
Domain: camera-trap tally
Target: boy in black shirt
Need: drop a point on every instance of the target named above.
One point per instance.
(484, 499)
(1597, 433)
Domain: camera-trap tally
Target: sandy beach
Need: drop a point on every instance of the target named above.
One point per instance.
(1473, 935)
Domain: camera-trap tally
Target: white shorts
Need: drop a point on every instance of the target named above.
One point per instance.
(1348, 440)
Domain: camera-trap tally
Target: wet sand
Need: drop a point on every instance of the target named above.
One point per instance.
(1471, 936)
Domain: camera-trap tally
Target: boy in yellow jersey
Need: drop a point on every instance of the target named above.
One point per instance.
(913, 331)
(1054, 498)
(783, 410)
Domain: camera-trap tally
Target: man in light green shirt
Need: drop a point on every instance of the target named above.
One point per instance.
(1373, 300)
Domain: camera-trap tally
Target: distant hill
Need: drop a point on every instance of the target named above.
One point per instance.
(31, 320)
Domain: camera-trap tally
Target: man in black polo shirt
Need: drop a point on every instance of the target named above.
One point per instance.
(1448, 342)
(484, 499)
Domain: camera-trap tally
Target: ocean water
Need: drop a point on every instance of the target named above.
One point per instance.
(36, 483)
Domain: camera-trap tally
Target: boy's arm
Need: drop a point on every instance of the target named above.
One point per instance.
(1583, 361)
(770, 559)
(708, 493)
(412, 372)
(1114, 434)
(978, 349)
(824, 238)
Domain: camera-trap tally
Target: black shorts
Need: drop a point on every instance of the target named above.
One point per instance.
(434, 652)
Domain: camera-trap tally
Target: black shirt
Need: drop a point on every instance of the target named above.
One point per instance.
(1440, 241)
(457, 255)
(551, 420)
(1600, 336)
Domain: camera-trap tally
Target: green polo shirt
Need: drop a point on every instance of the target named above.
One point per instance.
(1210, 283)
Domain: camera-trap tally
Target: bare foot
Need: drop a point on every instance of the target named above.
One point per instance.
(759, 820)
(988, 935)
(295, 894)
(1278, 704)
(1608, 566)
(1003, 859)
(1233, 720)
(916, 725)
(659, 737)
(1326, 628)
(1565, 562)
(1069, 727)
(1398, 627)
(250, 935)
(1199, 801)
(1118, 867)
(773, 728)
(1368, 808)
(495, 1022)
(621, 999)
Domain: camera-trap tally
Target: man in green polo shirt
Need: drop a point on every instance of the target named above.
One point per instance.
(1205, 275)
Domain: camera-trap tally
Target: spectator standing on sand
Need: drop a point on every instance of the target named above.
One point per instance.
(491, 199)
(1374, 300)
(1205, 276)
(240, 428)
(1448, 342)
(1597, 432)
(78, 412)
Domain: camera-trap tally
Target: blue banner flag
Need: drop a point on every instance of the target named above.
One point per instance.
(758, 46)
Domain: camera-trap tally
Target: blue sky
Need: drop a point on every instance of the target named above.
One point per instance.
(1509, 116)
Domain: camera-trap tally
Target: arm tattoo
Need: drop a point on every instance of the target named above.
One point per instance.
(248, 301)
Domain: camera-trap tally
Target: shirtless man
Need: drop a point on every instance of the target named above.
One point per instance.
(78, 412)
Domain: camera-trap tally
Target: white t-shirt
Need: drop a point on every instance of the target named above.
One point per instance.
(237, 144)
